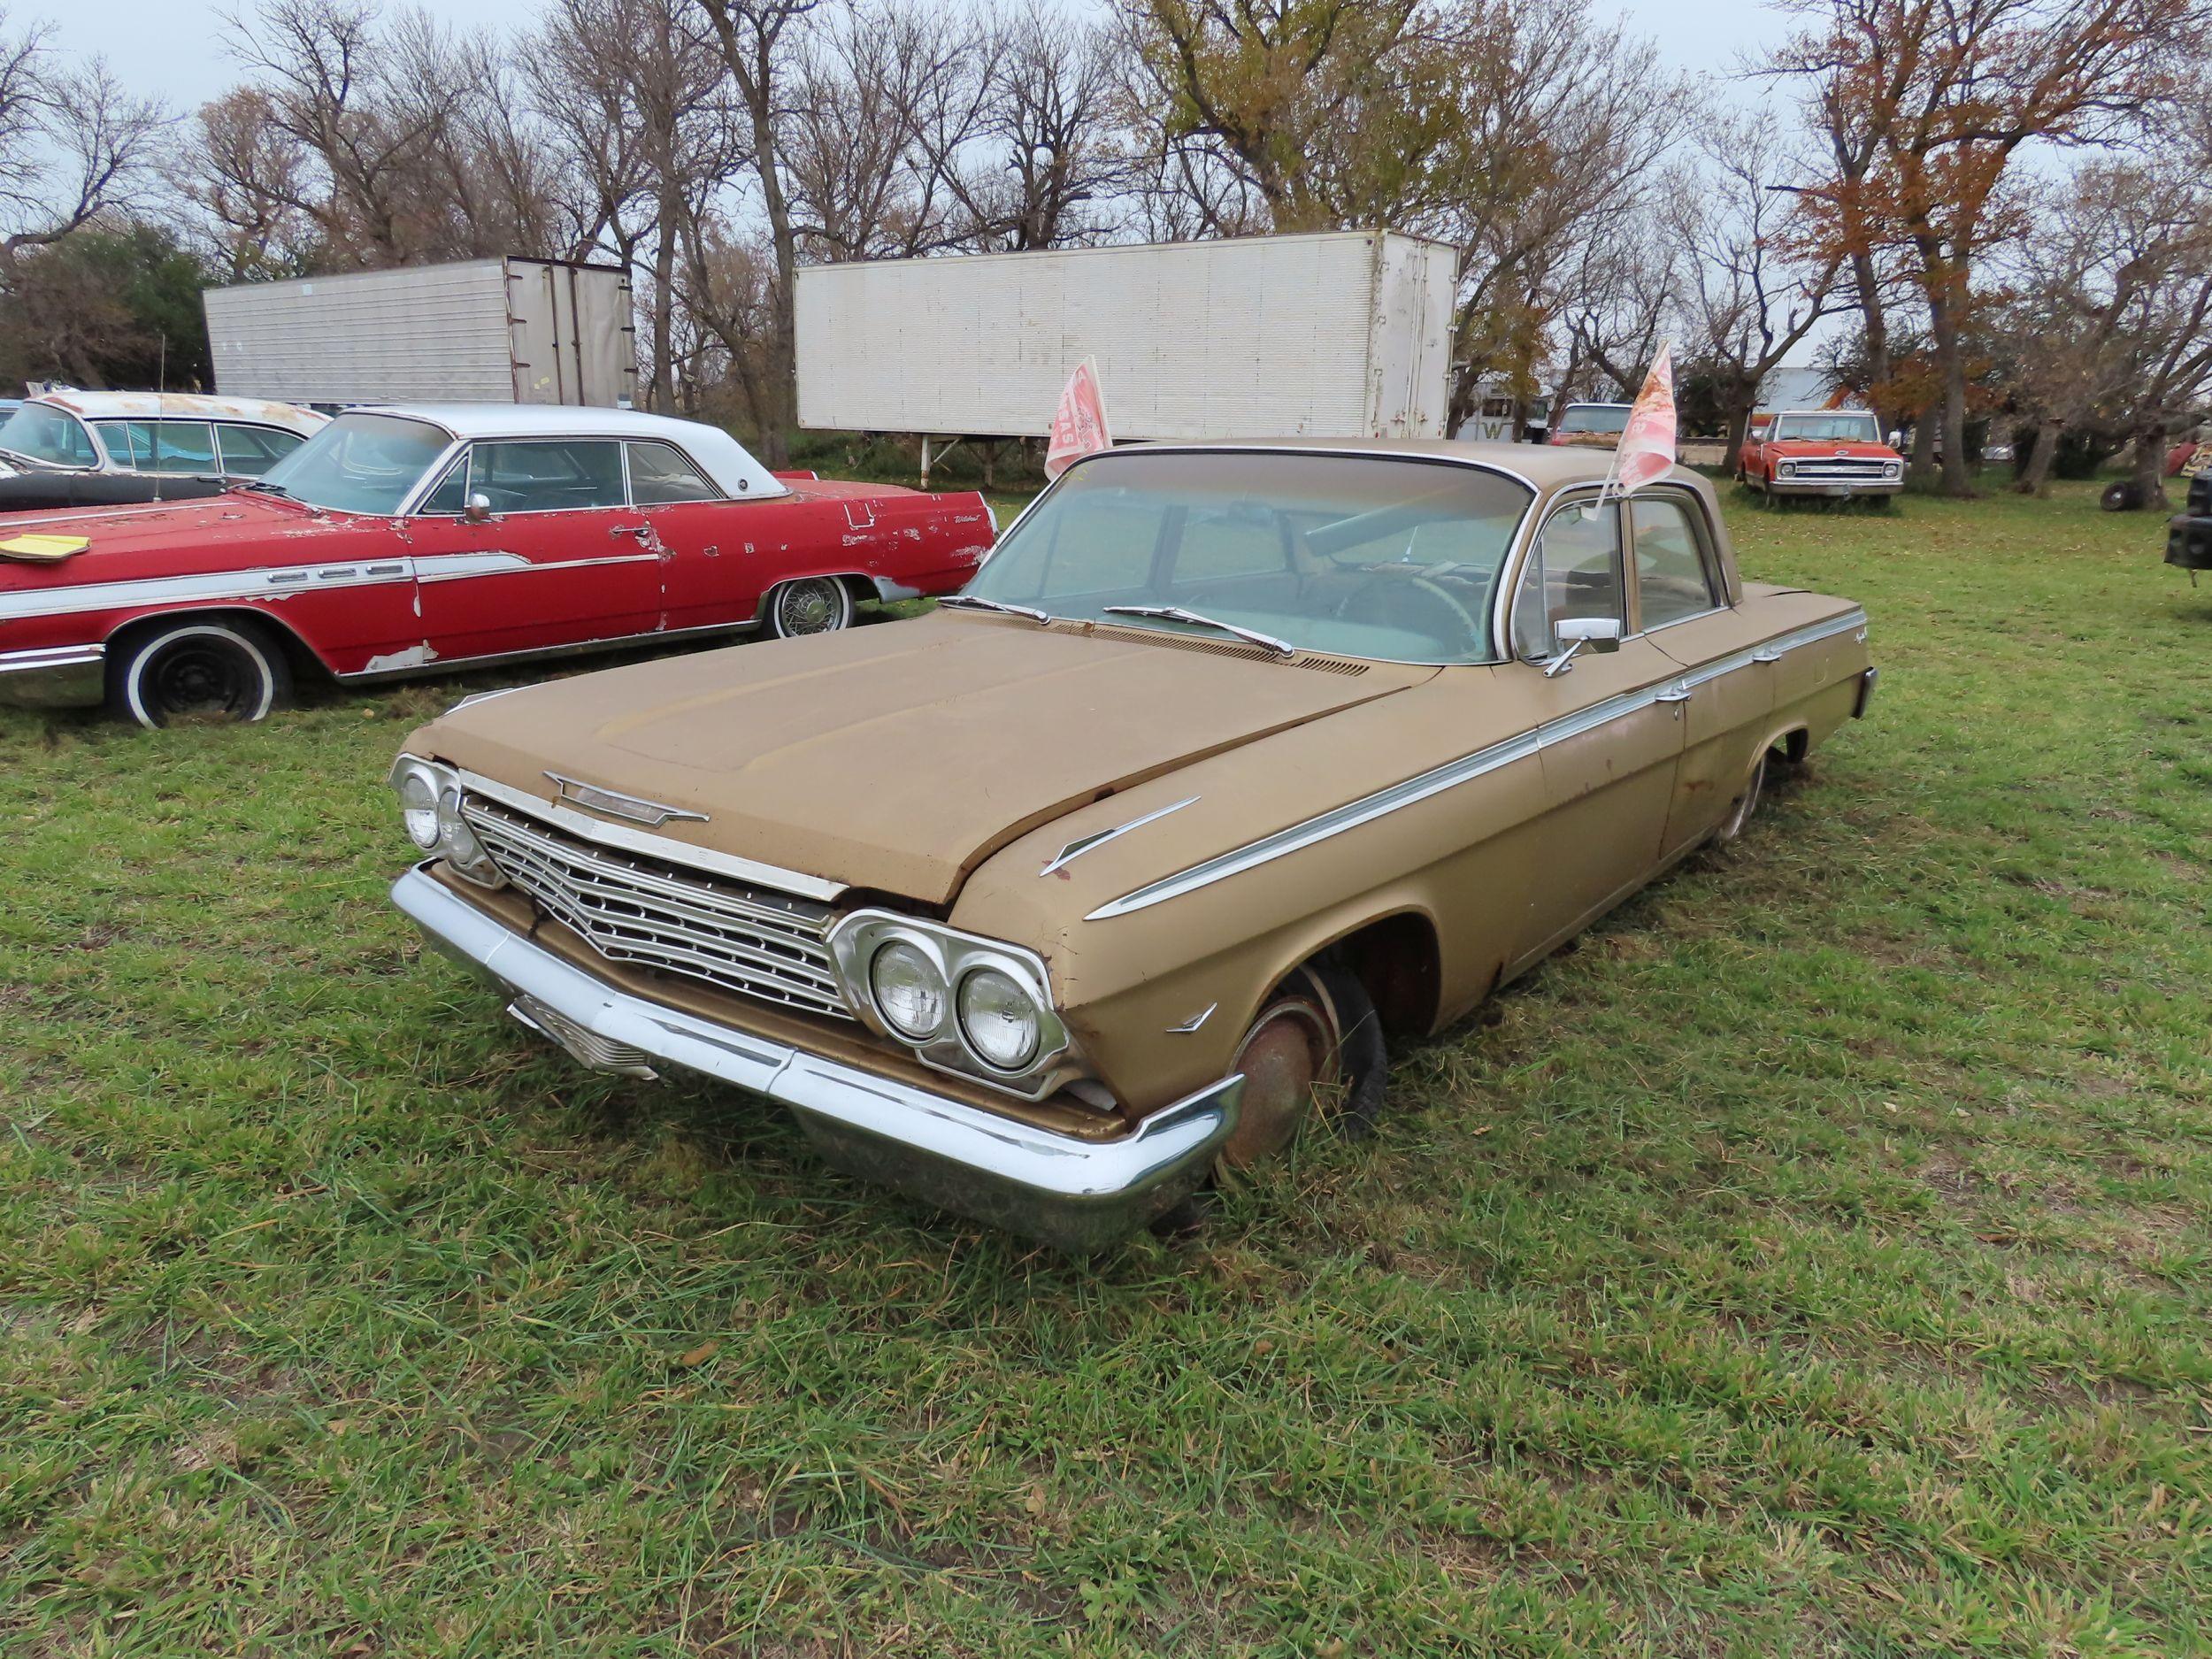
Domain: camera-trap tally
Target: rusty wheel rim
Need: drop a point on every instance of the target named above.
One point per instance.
(1287, 1059)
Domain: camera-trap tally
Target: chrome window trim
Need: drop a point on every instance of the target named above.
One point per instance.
(661, 847)
(1334, 822)
(1505, 562)
(690, 460)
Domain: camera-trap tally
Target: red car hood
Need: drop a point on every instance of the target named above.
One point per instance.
(218, 533)
(1828, 449)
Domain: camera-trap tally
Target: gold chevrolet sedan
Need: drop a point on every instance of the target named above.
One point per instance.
(1101, 880)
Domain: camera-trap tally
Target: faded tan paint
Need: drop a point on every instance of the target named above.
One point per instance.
(946, 762)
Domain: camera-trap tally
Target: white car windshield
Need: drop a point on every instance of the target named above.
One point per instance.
(359, 462)
(39, 432)
(1354, 556)
(1831, 428)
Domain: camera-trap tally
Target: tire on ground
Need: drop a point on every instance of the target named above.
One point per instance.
(220, 669)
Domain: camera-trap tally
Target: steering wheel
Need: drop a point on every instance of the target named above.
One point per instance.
(1386, 578)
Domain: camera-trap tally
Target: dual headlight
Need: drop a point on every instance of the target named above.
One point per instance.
(430, 807)
(961, 1003)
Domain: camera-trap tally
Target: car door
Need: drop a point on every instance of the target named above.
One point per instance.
(1609, 745)
(561, 558)
(711, 569)
(1725, 689)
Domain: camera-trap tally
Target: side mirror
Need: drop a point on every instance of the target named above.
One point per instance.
(1602, 635)
(478, 510)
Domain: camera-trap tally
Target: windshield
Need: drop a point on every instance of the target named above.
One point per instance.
(360, 463)
(1354, 556)
(45, 434)
(1595, 417)
(1843, 427)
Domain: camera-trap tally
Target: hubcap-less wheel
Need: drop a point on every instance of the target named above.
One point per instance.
(819, 604)
(1743, 806)
(202, 672)
(1289, 1054)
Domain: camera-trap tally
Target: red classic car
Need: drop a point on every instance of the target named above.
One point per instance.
(1819, 452)
(398, 540)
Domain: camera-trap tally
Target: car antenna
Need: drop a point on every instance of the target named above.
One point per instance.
(161, 407)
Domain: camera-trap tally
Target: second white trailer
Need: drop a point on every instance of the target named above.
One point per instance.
(1341, 334)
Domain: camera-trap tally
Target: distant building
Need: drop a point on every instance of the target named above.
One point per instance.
(1800, 386)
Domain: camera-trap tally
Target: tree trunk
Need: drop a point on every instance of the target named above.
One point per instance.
(1877, 324)
(1921, 469)
(663, 312)
(2149, 471)
(1740, 409)
(1950, 355)
(2036, 479)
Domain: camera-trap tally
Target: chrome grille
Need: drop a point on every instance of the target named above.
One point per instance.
(652, 914)
(1841, 469)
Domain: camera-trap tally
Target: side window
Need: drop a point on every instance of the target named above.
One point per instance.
(452, 494)
(179, 446)
(660, 475)
(250, 451)
(116, 436)
(1674, 577)
(1574, 571)
(549, 476)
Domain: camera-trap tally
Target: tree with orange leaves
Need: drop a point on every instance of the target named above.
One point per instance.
(1927, 104)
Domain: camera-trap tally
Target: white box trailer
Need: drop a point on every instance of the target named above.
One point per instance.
(496, 331)
(1340, 334)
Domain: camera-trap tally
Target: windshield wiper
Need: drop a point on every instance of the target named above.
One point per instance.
(969, 601)
(1176, 613)
(264, 484)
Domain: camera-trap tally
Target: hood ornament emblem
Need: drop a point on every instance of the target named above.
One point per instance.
(614, 803)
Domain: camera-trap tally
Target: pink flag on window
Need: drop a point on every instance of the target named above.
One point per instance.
(1079, 425)
(1647, 446)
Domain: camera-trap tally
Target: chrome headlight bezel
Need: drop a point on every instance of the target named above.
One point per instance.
(857, 938)
(456, 842)
(1787, 469)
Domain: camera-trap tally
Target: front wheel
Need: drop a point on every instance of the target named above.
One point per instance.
(213, 670)
(813, 604)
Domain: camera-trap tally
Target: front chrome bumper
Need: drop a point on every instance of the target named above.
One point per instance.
(57, 677)
(1077, 1194)
(1837, 486)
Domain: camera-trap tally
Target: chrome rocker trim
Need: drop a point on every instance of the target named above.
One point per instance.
(54, 677)
(1077, 1194)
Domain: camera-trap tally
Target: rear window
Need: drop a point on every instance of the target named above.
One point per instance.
(1595, 417)
(39, 432)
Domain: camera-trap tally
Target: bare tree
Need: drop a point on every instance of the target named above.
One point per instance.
(74, 145)
(1750, 292)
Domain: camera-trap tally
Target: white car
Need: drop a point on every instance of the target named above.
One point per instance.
(148, 435)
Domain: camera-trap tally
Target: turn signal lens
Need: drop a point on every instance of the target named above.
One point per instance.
(909, 992)
(998, 1019)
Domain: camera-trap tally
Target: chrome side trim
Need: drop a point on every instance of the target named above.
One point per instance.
(1453, 773)
(456, 567)
(50, 658)
(1082, 844)
(661, 847)
(1075, 1192)
(54, 677)
(268, 582)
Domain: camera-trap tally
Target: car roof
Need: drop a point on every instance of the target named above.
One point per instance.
(734, 467)
(182, 406)
(1543, 465)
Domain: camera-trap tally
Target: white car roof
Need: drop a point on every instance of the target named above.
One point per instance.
(183, 406)
(727, 461)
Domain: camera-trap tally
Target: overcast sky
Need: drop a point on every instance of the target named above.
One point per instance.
(172, 47)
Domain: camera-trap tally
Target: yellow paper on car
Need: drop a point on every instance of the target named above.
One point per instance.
(45, 548)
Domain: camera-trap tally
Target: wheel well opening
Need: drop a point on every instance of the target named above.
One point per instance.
(1793, 745)
(1397, 962)
(303, 663)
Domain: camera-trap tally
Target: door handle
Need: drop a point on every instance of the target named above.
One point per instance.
(641, 531)
(1672, 694)
(1766, 656)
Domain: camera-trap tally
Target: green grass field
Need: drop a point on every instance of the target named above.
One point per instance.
(1815, 1261)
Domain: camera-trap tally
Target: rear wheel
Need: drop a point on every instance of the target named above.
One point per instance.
(210, 671)
(813, 604)
(1744, 805)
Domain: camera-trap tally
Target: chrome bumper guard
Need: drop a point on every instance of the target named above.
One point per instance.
(57, 677)
(1077, 1194)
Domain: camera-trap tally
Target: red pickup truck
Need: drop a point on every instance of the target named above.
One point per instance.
(1819, 452)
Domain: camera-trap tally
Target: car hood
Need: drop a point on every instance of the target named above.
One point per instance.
(207, 532)
(897, 757)
(1828, 448)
